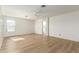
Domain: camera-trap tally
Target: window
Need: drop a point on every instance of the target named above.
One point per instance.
(10, 25)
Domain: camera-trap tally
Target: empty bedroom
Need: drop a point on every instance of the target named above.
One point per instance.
(39, 29)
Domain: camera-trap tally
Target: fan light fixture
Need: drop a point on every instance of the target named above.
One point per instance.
(43, 5)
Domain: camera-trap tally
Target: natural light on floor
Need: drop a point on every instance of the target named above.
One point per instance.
(17, 39)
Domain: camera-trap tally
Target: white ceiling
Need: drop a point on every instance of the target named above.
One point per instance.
(31, 11)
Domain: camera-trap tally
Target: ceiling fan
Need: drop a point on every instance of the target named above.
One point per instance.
(37, 12)
(41, 7)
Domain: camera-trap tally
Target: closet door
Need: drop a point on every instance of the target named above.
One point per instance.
(1, 28)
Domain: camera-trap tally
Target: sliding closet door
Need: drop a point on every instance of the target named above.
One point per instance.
(1, 28)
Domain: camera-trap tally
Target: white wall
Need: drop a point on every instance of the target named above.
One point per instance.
(65, 26)
(23, 26)
(1, 24)
(38, 26)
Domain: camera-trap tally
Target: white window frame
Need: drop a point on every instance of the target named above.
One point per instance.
(10, 25)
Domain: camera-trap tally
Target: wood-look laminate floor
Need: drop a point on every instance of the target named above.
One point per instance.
(34, 43)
